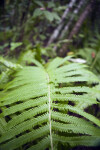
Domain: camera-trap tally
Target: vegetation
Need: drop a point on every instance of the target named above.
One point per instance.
(46, 101)
(38, 118)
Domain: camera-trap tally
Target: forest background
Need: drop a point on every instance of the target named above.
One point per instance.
(44, 29)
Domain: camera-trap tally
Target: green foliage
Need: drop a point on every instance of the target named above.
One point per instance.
(39, 3)
(6, 69)
(44, 107)
(29, 23)
(9, 64)
(26, 57)
(91, 52)
(48, 15)
(14, 45)
(3, 46)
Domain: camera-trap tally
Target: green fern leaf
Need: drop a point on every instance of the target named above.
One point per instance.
(44, 106)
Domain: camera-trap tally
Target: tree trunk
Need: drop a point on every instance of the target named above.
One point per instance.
(71, 19)
(66, 28)
(2, 5)
(76, 28)
(58, 29)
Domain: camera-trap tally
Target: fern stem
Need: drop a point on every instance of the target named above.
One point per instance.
(49, 97)
(95, 59)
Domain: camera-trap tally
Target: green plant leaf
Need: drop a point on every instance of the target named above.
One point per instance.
(51, 4)
(48, 15)
(55, 15)
(14, 45)
(37, 12)
(39, 3)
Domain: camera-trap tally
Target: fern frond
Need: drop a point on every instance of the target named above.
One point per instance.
(42, 106)
(9, 64)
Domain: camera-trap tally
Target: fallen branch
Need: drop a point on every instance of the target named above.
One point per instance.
(61, 23)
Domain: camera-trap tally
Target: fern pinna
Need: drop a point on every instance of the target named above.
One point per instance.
(43, 107)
